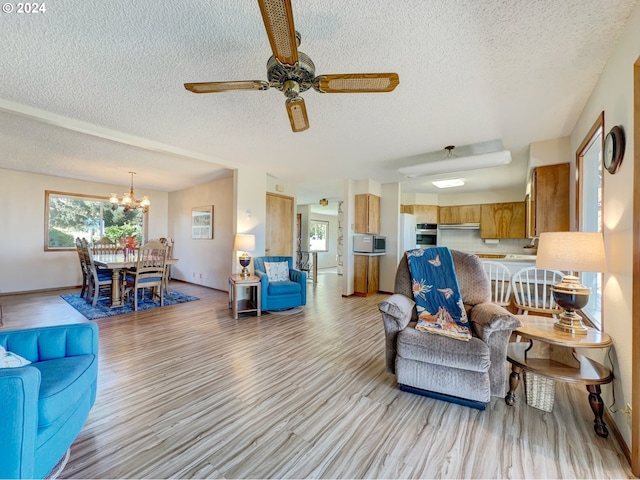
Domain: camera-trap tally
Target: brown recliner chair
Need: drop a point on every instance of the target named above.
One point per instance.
(468, 373)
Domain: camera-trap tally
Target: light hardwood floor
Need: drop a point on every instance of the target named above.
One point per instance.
(186, 391)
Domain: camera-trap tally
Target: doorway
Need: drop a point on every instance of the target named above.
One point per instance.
(279, 225)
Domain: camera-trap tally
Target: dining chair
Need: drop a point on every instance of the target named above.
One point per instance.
(532, 291)
(149, 272)
(105, 246)
(83, 268)
(100, 280)
(169, 242)
(500, 278)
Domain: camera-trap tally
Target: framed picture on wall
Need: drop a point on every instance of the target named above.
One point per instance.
(202, 222)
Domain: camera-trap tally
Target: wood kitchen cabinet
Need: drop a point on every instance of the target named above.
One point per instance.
(367, 213)
(549, 200)
(502, 220)
(459, 214)
(423, 213)
(366, 273)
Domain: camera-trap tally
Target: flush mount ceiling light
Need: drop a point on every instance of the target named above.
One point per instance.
(452, 182)
(452, 163)
(324, 202)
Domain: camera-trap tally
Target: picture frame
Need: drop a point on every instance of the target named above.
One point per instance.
(202, 223)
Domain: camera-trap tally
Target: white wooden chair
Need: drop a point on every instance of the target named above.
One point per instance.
(500, 278)
(531, 288)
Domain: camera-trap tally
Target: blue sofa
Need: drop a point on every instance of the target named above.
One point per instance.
(44, 405)
(281, 295)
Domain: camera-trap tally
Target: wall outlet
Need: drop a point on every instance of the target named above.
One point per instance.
(200, 276)
(194, 274)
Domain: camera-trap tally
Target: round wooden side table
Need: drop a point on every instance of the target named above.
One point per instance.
(551, 353)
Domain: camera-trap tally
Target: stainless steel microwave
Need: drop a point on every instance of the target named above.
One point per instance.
(369, 244)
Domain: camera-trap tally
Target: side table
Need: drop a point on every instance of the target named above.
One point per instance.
(252, 304)
(557, 359)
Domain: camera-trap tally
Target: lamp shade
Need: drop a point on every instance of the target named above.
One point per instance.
(571, 252)
(244, 242)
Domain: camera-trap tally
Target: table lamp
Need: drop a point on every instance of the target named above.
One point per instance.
(243, 243)
(571, 252)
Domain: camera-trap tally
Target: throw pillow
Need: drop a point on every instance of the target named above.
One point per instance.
(277, 271)
(10, 360)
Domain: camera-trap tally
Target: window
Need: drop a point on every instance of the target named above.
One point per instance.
(318, 236)
(70, 215)
(589, 208)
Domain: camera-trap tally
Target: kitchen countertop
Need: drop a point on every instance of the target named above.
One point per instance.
(508, 257)
(365, 254)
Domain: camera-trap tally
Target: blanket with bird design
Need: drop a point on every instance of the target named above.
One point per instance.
(437, 294)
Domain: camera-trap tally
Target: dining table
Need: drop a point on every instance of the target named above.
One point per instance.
(118, 262)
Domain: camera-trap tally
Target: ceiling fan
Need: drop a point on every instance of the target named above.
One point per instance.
(292, 72)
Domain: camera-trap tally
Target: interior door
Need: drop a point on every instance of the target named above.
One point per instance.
(279, 239)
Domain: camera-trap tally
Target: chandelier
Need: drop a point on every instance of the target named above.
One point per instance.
(128, 200)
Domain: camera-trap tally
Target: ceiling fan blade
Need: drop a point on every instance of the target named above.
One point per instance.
(278, 20)
(214, 87)
(356, 82)
(297, 114)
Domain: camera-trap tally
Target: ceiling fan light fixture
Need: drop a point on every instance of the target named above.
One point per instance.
(324, 202)
(452, 182)
(458, 164)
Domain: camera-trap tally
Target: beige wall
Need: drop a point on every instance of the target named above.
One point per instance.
(613, 94)
(205, 262)
(24, 265)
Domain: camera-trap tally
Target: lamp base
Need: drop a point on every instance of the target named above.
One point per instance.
(570, 322)
(570, 295)
(245, 260)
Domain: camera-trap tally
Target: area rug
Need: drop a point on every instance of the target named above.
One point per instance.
(290, 311)
(102, 309)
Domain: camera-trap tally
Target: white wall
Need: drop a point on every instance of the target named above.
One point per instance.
(489, 196)
(326, 259)
(24, 265)
(205, 262)
(613, 94)
(390, 227)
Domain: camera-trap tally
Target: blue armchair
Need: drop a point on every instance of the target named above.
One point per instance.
(281, 295)
(44, 405)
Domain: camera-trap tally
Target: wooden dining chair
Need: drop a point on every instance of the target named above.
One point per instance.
(99, 280)
(149, 272)
(83, 268)
(105, 246)
(500, 278)
(169, 242)
(532, 291)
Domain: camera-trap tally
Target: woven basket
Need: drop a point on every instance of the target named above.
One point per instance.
(541, 391)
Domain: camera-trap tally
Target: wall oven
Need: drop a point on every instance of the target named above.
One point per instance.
(426, 234)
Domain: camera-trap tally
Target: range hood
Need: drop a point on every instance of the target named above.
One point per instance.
(459, 226)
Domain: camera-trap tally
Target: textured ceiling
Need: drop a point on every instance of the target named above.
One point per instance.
(94, 89)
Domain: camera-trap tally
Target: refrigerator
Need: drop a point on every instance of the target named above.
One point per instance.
(407, 232)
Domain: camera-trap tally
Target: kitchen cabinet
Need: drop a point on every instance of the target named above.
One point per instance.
(423, 213)
(367, 213)
(549, 200)
(459, 214)
(502, 220)
(366, 274)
